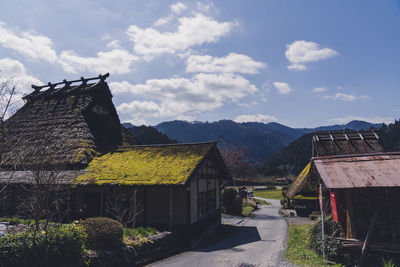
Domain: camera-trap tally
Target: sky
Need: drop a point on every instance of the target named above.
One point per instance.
(299, 63)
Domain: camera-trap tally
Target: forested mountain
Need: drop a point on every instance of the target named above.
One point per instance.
(260, 140)
(148, 135)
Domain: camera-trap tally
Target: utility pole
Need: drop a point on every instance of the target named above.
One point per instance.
(322, 219)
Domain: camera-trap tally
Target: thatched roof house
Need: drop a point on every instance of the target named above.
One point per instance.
(66, 123)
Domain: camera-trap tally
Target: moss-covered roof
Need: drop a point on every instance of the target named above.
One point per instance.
(147, 165)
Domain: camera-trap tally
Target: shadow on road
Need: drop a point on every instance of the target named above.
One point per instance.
(240, 235)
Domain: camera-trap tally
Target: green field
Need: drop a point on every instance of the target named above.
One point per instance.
(271, 193)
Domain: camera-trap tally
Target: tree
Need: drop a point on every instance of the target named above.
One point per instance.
(45, 193)
(235, 160)
(7, 107)
(123, 206)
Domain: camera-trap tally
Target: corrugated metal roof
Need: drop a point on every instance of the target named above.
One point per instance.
(360, 171)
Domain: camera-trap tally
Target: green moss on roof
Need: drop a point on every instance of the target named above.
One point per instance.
(146, 165)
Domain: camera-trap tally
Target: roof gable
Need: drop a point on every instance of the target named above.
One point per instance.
(66, 126)
(148, 165)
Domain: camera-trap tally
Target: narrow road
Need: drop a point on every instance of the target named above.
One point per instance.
(258, 241)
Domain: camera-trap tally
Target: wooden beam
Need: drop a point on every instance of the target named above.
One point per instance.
(368, 236)
(170, 208)
(101, 203)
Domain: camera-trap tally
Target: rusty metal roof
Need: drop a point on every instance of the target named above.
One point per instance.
(360, 171)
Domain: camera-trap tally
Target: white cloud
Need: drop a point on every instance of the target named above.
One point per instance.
(164, 20)
(246, 105)
(346, 97)
(191, 31)
(178, 7)
(301, 52)
(232, 63)
(115, 44)
(347, 119)
(255, 118)
(14, 72)
(320, 89)
(117, 61)
(183, 97)
(204, 7)
(283, 88)
(29, 44)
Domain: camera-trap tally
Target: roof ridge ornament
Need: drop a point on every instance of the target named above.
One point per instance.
(67, 84)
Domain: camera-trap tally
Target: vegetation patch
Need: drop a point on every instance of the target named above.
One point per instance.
(146, 165)
(270, 194)
(139, 235)
(103, 233)
(247, 209)
(59, 246)
(261, 202)
(298, 251)
(231, 202)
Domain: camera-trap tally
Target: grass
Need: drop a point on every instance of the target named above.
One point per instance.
(261, 202)
(15, 221)
(247, 210)
(271, 194)
(298, 252)
(139, 232)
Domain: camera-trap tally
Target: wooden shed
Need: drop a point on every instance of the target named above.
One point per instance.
(361, 185)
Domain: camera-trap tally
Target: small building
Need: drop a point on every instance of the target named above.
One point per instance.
(70, 132)
(178, 186)
(361, 184)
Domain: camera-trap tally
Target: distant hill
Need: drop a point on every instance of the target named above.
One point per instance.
(148, 135)
(260, 139)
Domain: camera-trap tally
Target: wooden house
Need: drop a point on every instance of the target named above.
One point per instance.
(71, 131)
(361, 185)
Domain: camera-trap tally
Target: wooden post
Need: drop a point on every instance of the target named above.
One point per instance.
(368, 236)
(170, 208)
(145, 205)
(134, 202)
(101, 203)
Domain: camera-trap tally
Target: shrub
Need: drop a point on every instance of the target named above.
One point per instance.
(231, 202)
(103, 233)
(59, 246)
(333, 248)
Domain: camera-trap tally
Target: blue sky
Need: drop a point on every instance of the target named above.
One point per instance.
(300, 63)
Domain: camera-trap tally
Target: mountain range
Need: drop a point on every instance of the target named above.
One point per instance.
(260, 139)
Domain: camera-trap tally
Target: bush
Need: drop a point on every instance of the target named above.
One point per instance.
(333, 248)
(231, 202)
(103, 233)
(59, 246)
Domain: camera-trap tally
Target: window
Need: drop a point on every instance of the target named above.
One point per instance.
(206, 202)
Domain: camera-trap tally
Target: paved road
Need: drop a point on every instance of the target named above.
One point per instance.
(258, 241)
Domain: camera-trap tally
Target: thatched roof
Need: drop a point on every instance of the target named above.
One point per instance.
(347, 142)
(153, 165)
(65, 125)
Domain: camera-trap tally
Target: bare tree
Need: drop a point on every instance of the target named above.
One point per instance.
(45, 190)
(123, 206)
(238, 165)
(7, 108)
